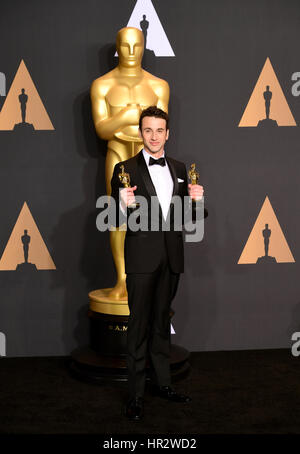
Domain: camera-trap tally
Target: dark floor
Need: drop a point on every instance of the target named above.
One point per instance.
(232, 392)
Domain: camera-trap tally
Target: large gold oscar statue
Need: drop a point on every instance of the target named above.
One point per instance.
(118, 99)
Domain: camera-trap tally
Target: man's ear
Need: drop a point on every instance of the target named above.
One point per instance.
(167, 136)
(140, 133)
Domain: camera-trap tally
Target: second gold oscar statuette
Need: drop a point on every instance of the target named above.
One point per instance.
(194, 177)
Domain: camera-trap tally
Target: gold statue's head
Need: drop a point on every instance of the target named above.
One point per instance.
(130, 47)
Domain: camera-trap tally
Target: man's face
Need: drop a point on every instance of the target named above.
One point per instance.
(130, 47)
(154, 135)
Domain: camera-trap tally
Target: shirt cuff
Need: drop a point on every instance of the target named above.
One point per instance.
(123, 209)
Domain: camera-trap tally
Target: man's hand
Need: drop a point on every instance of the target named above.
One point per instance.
(127, 196)
(196, 191)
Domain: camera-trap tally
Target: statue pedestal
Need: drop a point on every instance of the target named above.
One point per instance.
(26, 266)
(90, 366)
(266, 259)
(24, 127)
(100, 302)
(105, 358)
(267, 123)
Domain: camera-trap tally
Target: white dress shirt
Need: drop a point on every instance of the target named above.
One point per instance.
(162, 181)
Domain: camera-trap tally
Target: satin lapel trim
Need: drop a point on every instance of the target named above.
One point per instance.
(174, 176)
(146, 175)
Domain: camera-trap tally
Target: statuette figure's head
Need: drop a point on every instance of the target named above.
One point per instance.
(130, 47)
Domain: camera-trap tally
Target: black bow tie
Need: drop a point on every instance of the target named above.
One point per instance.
(159, 161)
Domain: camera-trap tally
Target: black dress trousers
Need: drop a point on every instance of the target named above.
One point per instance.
(149, 300)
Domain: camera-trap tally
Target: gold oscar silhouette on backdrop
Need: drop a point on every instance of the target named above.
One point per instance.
(118, 99)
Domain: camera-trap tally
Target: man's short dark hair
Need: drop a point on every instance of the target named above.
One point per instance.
(154, 111)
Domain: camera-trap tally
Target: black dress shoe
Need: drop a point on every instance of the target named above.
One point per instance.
(135, 409)
(166, 392)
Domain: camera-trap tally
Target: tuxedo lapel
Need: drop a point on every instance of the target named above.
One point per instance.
(172, 168)
(146, 175)
(173, 175)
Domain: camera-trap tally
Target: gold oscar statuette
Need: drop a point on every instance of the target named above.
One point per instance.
(117, 100)
(125, 180)
(124, 177)
(193, 176)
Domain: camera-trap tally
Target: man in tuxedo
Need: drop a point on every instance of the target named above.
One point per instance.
(153, 259)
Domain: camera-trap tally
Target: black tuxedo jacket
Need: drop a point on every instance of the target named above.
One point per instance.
(143, 249)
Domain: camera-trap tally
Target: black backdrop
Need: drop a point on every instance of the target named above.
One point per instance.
(220, 48)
